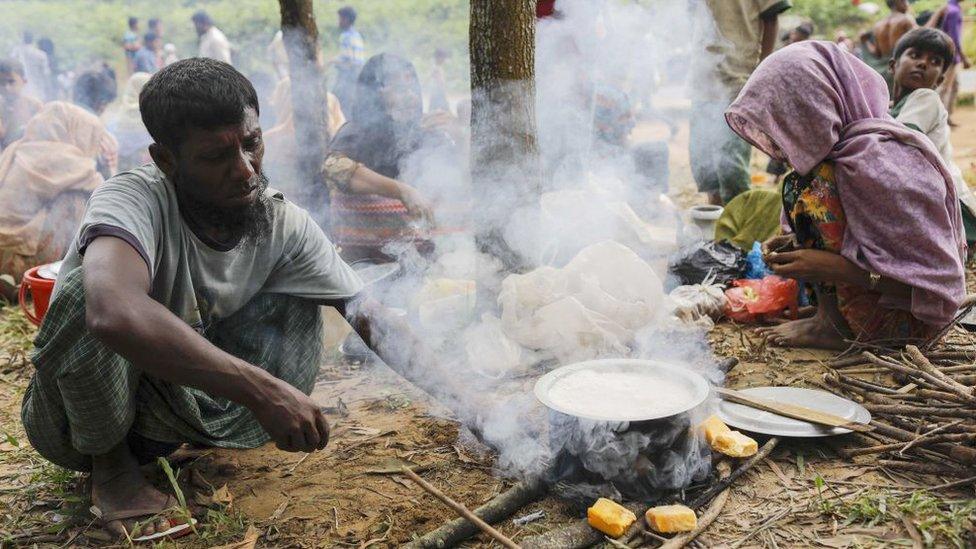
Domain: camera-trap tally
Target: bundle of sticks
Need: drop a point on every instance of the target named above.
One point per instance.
(923, 406)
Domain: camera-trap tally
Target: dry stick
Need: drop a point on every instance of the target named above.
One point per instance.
(578, 535)
(919, 359)
(708, 494)
(940, 395)
(902, 446)
(926, 376)
(707, 518)
(962, 454)
(928, 435)
(460, 509)
(860, 383)
(954, 484)
(916, 411)
(500, 507)
(925, 468)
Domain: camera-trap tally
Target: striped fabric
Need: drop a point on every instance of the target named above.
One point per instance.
(85, 399)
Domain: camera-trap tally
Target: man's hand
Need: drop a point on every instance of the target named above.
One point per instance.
(810, 265)
(293, 420)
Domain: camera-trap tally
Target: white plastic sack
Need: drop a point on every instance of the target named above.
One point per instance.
(489, 351)
(699, 301)
(591, 307)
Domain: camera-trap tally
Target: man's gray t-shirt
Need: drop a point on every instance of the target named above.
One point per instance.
(196, 281)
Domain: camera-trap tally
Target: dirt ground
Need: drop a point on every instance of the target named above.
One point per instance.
(350, 495)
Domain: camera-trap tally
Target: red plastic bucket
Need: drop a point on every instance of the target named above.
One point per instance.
(40, 291)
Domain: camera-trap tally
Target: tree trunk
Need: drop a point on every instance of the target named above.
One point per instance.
(505, 167)
(308, 95)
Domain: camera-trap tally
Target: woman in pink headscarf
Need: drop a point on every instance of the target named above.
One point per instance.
(871, 215)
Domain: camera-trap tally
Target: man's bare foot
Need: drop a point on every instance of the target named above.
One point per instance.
(816, 332)
(118, 487)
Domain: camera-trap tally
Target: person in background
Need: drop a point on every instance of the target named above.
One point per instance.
(438, 84)
(921, 60)
(370, 206)
(745, 33)
(872, 211)
(169, 54)
(94, 90)
(46, 45)
(842, 40)
(278, 55)
(156, 26)
(801, 32)
(46, 177)
(282, 144)
(37, 69)
(16, 108)
(125, 122)
(352, 56)
(886, 34)
(213, 43)
(130, 42)
(148, 58)
(951, 24)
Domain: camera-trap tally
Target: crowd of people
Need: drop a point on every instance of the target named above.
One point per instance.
(195, 251)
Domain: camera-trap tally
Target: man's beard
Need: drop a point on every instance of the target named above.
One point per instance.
(251, 223)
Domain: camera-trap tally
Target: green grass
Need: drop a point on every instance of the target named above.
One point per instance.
(941, 522)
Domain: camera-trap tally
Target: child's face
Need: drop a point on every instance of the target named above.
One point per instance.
(917, 69)
(10, 85)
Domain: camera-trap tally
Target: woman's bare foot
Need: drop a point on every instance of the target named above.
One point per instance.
(813, 332)
(118, 486)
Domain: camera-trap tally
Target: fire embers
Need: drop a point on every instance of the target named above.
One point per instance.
(635, 461)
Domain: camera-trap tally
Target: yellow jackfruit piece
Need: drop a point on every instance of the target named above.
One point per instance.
(610, 517)
(712, 427)
(735, 444)
(669, 519)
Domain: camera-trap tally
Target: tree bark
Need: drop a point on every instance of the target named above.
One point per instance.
(308, 94)
(505, 167)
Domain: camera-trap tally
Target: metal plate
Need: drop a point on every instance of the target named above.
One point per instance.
(50, 271)
(652, 375)
(768, 423)
(371, 273)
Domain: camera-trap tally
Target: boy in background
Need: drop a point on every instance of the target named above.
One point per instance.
(918, 66)
(16, 108)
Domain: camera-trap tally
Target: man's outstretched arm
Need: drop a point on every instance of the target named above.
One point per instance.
(121, 314)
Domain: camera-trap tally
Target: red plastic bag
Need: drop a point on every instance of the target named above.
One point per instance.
(752, 300)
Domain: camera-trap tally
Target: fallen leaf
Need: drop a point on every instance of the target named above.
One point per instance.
(223, 496)
(249, 542)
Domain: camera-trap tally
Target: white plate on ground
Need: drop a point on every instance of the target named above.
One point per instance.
(622, 389)
(768, 423)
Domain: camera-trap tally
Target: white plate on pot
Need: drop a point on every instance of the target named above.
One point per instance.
(768, 423)
(622, 389)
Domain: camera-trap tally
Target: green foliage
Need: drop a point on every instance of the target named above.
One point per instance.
(941, 522)
(829, 15)
(88, 31)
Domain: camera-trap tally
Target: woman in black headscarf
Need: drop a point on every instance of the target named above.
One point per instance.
(370, 207)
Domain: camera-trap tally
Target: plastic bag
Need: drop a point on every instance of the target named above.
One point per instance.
(591, 307)
(489, 351)
(694, 304)
(721, 260)
(756, 268)
(752, 300)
